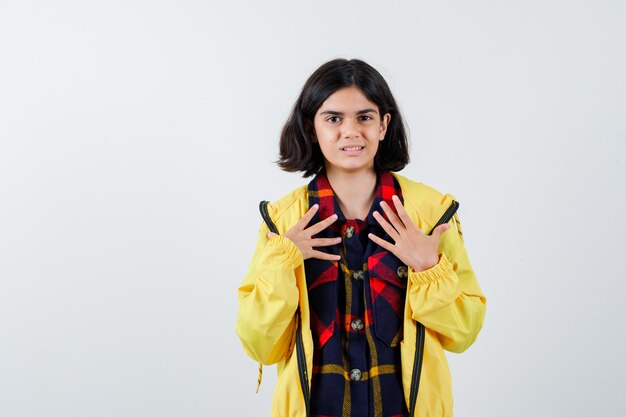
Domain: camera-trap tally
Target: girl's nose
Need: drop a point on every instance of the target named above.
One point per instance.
(349, 128)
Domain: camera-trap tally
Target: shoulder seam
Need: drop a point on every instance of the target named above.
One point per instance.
(284, 206)
(416, 186)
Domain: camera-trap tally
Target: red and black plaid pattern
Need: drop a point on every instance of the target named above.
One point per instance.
(357, 307)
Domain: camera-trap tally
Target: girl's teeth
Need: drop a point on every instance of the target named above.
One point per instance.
(353, 149)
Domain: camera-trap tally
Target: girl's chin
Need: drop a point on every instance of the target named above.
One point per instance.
(350, 166)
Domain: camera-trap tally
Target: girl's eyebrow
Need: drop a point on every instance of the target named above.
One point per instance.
(333, 112)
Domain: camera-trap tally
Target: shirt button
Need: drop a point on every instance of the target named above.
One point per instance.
(349, 231)
(357, 324)
(403, 271)
(355, 374)
(358, 274)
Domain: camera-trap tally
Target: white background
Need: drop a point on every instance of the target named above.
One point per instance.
(137, 139)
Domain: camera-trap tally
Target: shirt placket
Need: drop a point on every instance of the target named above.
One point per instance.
(354, 321)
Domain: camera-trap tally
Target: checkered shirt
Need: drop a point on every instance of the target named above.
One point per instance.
(357, 306)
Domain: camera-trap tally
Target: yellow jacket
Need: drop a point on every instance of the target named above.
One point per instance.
(444, 307)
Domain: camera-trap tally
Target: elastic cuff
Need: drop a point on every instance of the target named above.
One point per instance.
(437, 272)
(290, 249)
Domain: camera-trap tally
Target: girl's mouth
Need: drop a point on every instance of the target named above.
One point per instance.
(353, 150)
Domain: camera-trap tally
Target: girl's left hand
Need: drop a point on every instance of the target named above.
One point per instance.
(412, 246)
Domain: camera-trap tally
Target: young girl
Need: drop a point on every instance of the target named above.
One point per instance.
(363, 286)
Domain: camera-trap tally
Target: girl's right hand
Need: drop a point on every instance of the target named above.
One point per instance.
(302, 237)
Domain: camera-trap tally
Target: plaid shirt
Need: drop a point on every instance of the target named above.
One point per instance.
(357, 308)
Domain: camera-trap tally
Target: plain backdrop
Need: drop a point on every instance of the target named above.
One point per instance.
(138, 137)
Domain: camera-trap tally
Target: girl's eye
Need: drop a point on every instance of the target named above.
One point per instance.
(332, 118)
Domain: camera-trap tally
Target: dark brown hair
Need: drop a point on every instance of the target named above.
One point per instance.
(299, 153)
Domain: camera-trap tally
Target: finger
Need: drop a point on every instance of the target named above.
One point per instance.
(404, 215)
(386, 226)
(271, 235)
(439, 230)
(381, 242)
(325, 241)
(326, 256)
(393, 218)
(308, 216)
(319, 226)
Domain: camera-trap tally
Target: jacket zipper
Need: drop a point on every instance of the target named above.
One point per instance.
(266, 216)
(300, 356)
(417, 365)
(304, 379)
(421, 331)
(447, 215)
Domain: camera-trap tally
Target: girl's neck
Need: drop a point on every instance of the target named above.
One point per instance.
(355, 191)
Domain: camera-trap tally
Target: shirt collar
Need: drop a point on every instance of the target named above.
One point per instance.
(321, 192)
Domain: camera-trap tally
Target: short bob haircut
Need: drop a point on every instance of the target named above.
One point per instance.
(299, 153)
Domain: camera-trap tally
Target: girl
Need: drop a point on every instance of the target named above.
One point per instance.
(361, 286)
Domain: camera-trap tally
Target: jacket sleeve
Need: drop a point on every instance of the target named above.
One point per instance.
(268, 299)
(446, 297)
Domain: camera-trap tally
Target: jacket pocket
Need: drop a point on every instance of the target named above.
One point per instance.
(322, 290)
(387, 288)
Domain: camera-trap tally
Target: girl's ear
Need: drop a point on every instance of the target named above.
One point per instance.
(384, 123)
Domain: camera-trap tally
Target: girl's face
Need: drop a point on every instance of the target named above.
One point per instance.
(348, 128)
